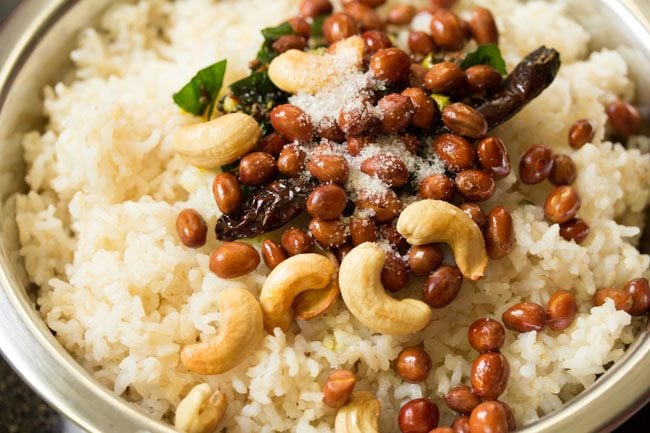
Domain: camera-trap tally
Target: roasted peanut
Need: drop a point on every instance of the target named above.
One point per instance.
(272, 253)
(482, 78)
(296, 241)
(338, 387)
(475, 185)
(461, 399)
(396, 112)
(314, 8)
(456, 152)
(488, 417)
(639, 289)
(257, 168)
(622, 300)
(385, 206)
(447, 30)
(464, 120)
(575, 230)
(525, 317)
(394, 274)
(460, 424)
(561, 310)
(486, 335)
(413, 364)
(355, 118)
(387, 167)
(437, 187)
(581, 133)
(564, 170)
(424, 109)
(227, 192)
(418, 416)
(327, 202)
(499, 233)
(442, 286)
(562, 204)
(421, 43)
(624, 117)
(483, 28)
(364, 15)
(362, 230)
(444, 77)
(191, 228)
(401, 14)
(390, 64)
(234, 259)
(328, 233)
(339, 26)
(291, 161)
(329, 168)
(376, 40)
(475, 213)
(424, 259)
(289, 42)
(291, 122)
(493, 157)
(489, 375)
(535, 164)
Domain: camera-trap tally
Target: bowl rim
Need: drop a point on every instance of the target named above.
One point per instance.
(53, 373)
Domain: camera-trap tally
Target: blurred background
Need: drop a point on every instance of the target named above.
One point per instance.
(22, 411)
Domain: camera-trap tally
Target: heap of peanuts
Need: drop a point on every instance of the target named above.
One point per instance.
(473, 162)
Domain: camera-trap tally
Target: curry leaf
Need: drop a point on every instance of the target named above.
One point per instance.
(202, 90)
(317, 26)
(488, 54)
(441, 100)
(272, 34)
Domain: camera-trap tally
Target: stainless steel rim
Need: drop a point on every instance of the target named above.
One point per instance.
(30, 347)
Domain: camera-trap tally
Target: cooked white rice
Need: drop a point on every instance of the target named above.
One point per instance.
(123, 295)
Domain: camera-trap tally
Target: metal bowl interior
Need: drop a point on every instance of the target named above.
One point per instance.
(34, 47)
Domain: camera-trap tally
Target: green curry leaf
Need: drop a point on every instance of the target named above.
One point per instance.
(488, 54)
(202, 90)
(272, 34)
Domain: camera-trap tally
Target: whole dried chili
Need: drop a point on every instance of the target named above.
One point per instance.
(267, 209)
(529, 78)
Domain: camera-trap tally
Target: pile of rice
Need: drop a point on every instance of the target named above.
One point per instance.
(123, 295)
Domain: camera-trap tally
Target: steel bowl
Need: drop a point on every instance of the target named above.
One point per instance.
(34, 47)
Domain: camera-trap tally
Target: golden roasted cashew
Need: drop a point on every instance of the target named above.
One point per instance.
(428, 221)
(240, 333)
(291, 277)
(218, 142)
(360, 415)
(312, 304)
(296, 71)
(201, 410)
(364, 295)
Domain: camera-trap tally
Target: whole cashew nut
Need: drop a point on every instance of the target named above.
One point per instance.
(291, 277)
(218, 142)
(427, 221)
(360, 415)
(364, 295)
(201, 410)
(240, 333)
(296, 71)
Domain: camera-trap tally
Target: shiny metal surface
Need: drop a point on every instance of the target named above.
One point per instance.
(34, 48)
